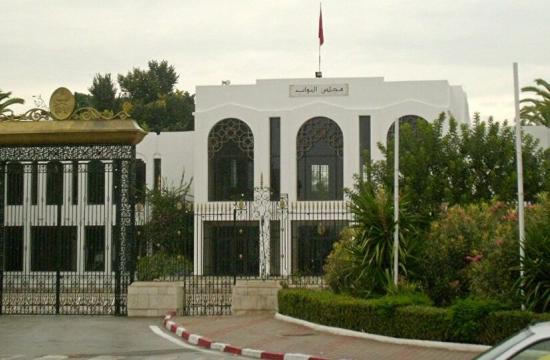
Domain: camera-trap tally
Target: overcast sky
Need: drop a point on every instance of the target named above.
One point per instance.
(471, 43)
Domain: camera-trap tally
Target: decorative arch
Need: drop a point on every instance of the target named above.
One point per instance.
(230, 161)
(320, 154)
(412, 120)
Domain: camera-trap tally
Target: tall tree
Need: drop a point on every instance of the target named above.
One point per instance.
(156, 104)
(465, 164)
(537, 110)
(103, 92)
(149, 85)
(6, 102)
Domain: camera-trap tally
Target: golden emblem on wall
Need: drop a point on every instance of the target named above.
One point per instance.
(62, 103)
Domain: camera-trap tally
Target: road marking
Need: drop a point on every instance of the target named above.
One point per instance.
(179, 342)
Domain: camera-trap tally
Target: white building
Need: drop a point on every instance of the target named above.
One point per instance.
(276, 156)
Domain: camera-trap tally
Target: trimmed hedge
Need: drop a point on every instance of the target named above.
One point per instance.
(408, 316)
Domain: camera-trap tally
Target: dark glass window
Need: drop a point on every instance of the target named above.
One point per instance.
(54, 183)
(364, 141)
(230, 161)
(74, 194)
(312, 242)
(15, 184)
(96, 182)
(94, 248)
(275, 157)
(320, 150)
(157, 173)
(53, 247)
(141, 183)
(34, 183)
(13, 248)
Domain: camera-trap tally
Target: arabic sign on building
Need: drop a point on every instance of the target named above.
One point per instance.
(319, 90)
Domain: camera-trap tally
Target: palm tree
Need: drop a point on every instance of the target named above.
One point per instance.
(6, 102)
(537, 110)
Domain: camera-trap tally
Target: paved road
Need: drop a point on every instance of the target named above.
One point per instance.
(99, 337)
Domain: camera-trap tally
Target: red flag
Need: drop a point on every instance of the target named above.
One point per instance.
(321, 37)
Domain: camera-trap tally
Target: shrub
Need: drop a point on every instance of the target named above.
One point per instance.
(499, 325)
(338, 264)
(459, 254)
(424, 322)
(400, 316)
(361, 261)
(469, 320)
(537, 256)
(162, 266)
(467, 316)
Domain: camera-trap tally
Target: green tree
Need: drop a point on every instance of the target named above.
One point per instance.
(156, 104)
(464, 164)
(82, 100)
(536, 110)
(149, 85)
(103, 92)
(6, 102)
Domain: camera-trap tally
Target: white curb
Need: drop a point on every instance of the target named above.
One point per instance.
(217, 346)
(384, 339)
(194, 339)
(179, 330)
(257, 354)
(296, 357)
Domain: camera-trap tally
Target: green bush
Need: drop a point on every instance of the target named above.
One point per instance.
(423, 322)
(361, 261)
(467, 316)
(537, 256)
(385, 315)
(162, 266)
(499, 325)
(469, 251)
(469, 320)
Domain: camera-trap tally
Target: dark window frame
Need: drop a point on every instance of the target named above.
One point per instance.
(230, 141)
(320, 141)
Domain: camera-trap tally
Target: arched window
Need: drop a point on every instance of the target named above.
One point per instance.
(410, 120)
(230, 161)
(15, 176)
(54, 183)
(96, 182)
(320, 152)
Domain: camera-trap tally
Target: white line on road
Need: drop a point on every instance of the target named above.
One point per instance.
(179, 342)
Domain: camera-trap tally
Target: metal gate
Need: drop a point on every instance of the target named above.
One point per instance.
(66, 229)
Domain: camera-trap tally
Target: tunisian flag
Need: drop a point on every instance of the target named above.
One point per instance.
(321, 36)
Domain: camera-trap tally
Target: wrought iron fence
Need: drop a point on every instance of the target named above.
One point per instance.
(66, 229)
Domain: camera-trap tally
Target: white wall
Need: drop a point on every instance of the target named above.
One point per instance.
(256, 103)
(176, 151)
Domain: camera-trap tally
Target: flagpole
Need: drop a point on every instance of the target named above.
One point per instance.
(519, 163)
(321, 22)
(321, 39)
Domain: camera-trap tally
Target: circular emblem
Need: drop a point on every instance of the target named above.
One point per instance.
(62, 103)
